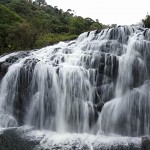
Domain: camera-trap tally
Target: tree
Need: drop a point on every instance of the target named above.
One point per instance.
(77, 25)
(146, 21)
(96, 26)
(30, 1)
(71, 12)
(20, 37)
(113, 25)
(41, 2)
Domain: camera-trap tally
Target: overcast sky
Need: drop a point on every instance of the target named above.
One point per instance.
(121, 12)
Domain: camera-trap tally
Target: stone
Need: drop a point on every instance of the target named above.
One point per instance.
(3, 68)
(101, 68)
(98, 31)
(146, 143)
(99, 106)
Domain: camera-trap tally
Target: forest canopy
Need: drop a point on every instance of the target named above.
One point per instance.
(27, 25)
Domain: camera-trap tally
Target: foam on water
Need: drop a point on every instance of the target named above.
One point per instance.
(53, 140)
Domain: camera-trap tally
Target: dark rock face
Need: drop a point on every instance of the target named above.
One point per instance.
(11, 139)
(3, 68)
(9, 61)
(24, 81)
(28, 139)
(13, 59)
(97, 31)
(145, 143)
(99, 106)
(106, 77)
(120, 34)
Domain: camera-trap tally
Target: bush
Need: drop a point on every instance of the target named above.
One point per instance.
(49, 39)
(146, 21)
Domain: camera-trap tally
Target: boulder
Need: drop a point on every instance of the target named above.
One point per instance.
(99, 106)
(12, 139)
(146, 143)
(3, 68)
(9, 61)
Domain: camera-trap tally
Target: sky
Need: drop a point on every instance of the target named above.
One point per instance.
(120, 12)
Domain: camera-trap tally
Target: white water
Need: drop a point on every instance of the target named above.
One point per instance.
(84, 141)
(46, 139)
(58, 87)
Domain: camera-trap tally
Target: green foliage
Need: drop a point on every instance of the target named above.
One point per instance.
(49, 39)
(20, 37)
(40, 2)
(8, 17)
(95, 26)
(77, 25)
(26, 25)
(8, 20)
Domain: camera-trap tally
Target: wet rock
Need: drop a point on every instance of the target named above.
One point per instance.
(56, 49)
(110, 67)
(71, 43)
(11, 139)
(115, 66)
(108, 60)
(101, 92)
(13, 59)
(101, 68)
(99, 106)
(3, 69)
(102, 57)
(88, 33)
(113, 47)
(108, 70)
(141, 29)
(146, 143)
(9, 61)
(99, 79)
(67, 51)
(24, 80)
(97, 31)
(114, 34)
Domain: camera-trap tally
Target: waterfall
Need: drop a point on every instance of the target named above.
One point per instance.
(98, 83)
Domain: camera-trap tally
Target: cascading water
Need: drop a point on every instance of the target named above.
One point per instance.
(63, 87)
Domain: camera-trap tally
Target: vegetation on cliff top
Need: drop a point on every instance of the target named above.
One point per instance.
(27, 25)
(146, 21)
